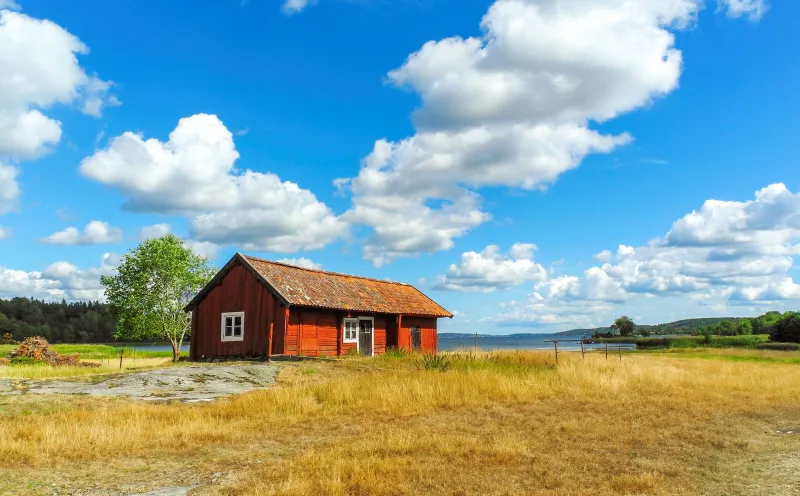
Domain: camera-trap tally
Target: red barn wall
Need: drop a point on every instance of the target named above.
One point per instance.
(238, 291)
(427, 326)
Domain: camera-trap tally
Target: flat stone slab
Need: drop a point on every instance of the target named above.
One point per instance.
(190, 384)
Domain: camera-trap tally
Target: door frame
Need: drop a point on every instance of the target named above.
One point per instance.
(358, 344)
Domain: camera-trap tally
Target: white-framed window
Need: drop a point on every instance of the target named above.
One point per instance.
(233, 326)
(350, 331)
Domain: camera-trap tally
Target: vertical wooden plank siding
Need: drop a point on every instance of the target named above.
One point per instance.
(279, 328)
(238, 291)
(428, 333)
(293, 333)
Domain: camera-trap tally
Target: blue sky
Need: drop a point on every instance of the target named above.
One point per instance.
(576, 126)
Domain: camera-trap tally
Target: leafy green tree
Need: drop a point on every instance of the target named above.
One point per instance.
(153, 285)
(706, 332)
(787, 329)
(624, 325)
(745, 327)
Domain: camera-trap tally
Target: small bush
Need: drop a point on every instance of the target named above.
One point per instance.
(654, 343)
(23, 360)
(395, 352)
(353, 352)
(4, 362)
(433, 362)
(744, 341)
(779, 346)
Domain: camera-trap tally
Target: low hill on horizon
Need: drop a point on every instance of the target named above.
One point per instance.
(683, 326)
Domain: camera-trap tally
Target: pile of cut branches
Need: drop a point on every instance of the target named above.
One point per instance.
(36, 349)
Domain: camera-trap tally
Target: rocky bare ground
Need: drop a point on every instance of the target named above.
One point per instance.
(189, 384)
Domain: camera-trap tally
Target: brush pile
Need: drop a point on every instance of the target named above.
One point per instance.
(37, 350)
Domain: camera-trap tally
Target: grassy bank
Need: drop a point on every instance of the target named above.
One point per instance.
(499, 423)
(751, 341)
(97, 351)
(104, 367)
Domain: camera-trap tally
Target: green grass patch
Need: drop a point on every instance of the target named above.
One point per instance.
(97, 351)
(700, 342)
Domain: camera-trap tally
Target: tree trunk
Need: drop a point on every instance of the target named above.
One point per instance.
(176, 350)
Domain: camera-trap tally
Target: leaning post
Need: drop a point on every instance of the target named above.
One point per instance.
(583, 355)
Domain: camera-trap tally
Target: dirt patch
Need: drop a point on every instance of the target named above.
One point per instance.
(192, 384)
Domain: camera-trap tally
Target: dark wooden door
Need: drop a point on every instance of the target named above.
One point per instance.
(416, 338)
(365, 337)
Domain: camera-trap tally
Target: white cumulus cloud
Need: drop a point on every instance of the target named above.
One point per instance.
(40, 69)
(9, 188)
(5, 232)
(154, 231)
(95, 233)
(752, 9)
(59, 280)
(291, 7)
(193, 174)
(511, 108)
(303, 262)
(490, 270)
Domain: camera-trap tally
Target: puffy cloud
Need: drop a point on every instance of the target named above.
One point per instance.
(193, 174)
(727, 253)
(9, 188)
(203, 248)
(95, 233)
(303, 262)
(5, 232)
(40, 69)
(752, 9)
(603, 256)
(743, 250)
(154, 231)
(291, 7)
(512, 108)
(59, 280)
(490, 270)
(536, 311)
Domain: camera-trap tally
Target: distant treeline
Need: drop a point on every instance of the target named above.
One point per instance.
(782, 327)
(82, 322)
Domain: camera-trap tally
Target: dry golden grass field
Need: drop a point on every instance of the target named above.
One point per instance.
(718, 422)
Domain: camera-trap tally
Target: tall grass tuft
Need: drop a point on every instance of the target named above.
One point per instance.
(433, 362)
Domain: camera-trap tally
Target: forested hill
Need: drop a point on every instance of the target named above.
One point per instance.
(82, 322)
(685, 326)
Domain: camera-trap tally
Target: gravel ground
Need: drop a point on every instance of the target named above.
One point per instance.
(191, 384)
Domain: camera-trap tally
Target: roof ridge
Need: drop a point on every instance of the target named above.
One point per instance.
(320, 271)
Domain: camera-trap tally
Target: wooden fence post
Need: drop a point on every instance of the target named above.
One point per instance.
(606, 351)
(620, 352)
(121, 351)
(476, 342)
(555, 344)
(583, 355)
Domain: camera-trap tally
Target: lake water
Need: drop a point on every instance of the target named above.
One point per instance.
(453, 342)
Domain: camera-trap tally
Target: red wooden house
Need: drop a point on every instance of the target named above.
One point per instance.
(256, 307)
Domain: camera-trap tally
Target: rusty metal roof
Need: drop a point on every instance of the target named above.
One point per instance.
(322, 289)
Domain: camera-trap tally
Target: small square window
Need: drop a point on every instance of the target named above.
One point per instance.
(233, 326)
(350, 331)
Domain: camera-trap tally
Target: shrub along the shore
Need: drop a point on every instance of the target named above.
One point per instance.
(751, 341)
